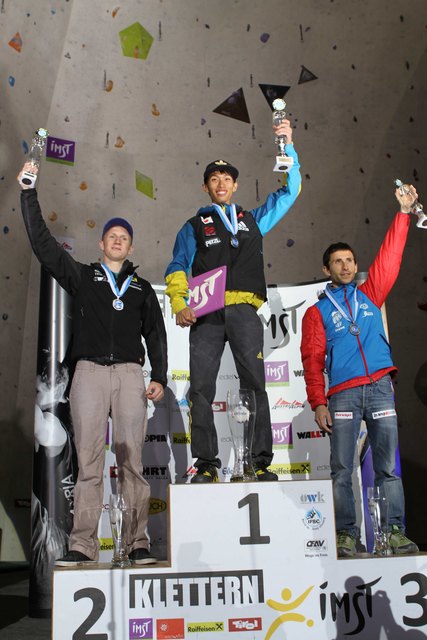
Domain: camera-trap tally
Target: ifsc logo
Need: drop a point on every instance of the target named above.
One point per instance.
(313, 519)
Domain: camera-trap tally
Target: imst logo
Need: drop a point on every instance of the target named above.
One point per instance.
(276, 374)
(141, 628)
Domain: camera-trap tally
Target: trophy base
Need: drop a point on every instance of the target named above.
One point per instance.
(120, 561)
(422, 221)
(28, 179)
(283, 164)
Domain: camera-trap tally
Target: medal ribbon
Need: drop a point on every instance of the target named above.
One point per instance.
(352, 318)
(113, 284)
(231, 225)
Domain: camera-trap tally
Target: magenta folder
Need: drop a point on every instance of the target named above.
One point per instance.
(207, 291)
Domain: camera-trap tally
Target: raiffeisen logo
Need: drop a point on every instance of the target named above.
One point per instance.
(180, 374)
(285, 404)
(181, 438)
(276, 374)
(282, 435)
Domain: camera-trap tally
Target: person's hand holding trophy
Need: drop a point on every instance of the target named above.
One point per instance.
(283, 136)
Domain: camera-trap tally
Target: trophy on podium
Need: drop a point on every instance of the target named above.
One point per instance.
(378, 510)
(241, 410)
(120, 525)
(283, 162)
(35, 153)
(417, 207)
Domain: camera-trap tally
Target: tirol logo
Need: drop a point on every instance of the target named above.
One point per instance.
(245, 624)
(219, 406)
(140, 628)
(282, 435)
(170, 629)
(313, 519)
(276, 374)
(58, 150)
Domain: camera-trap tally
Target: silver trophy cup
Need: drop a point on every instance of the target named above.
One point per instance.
(378, 510)
(28, 178)
(241, 410)
(120, 521)
(417, 207)
(283, 162)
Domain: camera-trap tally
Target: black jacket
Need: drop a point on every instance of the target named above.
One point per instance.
(98, 330)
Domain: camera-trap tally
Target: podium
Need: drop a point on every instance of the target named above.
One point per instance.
(256, 559)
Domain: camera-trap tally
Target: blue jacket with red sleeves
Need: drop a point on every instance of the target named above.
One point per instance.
(353, 360)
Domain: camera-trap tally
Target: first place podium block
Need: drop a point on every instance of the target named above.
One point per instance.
(254, 558)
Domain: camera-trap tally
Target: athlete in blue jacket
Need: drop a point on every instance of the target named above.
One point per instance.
(222, 234)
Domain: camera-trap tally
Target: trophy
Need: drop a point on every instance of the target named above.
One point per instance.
(120, 525)
(38, 142)
(417, 207)
(241, 410)
(378, 510)
(283, 162)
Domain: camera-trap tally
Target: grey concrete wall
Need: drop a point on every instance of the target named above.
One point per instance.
(358, 124)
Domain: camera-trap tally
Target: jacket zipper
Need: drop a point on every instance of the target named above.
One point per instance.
(365, 364)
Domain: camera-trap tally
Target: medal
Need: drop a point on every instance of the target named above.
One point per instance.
(354, 329)
(230, 224)
(118, 304)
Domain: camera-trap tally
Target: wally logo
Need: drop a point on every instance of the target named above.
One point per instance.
(276, 374)
(287, 606)
(313, 519)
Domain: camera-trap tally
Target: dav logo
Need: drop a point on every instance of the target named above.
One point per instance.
(140, 628)
(245, 624)
(311, 546)
(276, 374)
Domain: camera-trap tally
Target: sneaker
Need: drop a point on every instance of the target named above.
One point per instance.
(73, 559)
(205, 473)
(141, 556)
(263, 474)
(399, 543)
(346, 544)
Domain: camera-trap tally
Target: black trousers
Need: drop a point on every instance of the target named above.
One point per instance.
(240, 325)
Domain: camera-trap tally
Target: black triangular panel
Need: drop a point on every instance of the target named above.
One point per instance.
(306, 75)
(234, 107)
(273, 91)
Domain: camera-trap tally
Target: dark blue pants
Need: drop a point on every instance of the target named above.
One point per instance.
(240, 325)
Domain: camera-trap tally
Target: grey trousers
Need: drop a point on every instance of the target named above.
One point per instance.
(95, 392)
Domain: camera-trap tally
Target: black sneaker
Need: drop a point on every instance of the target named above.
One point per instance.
(73, 559)
(141, 556)
(263, 474)
(205, 473)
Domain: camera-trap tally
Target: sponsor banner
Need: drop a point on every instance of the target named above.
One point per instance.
(277, 576)
(276, 373)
